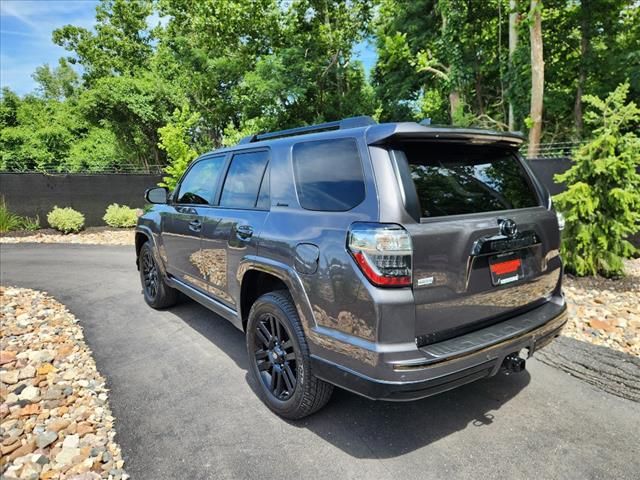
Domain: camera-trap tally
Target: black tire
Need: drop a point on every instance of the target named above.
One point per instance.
(156, 292)
(272, 359)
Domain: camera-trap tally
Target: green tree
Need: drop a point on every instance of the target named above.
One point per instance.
(176, 140)
(120, 45)
(602, 202)
(58, 83)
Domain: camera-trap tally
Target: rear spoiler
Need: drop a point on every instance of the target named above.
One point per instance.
(383, 133)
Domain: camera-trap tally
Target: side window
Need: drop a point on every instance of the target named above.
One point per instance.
(199, 186)
(328, 175)
(243, 180)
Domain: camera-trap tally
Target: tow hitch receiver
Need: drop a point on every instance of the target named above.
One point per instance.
(513, 363)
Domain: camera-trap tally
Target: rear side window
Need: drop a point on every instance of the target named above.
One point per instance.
(328, 175)
(244, 179)
(199, 185)
(454, 179)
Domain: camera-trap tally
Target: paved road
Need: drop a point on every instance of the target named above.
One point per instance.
(185, 409)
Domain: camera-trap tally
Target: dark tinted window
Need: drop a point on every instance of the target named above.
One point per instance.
(243, 180)
(328, 175)
(199, 186)
(455, 179)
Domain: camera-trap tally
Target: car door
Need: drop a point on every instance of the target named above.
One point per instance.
(182, 224)
(231, 230)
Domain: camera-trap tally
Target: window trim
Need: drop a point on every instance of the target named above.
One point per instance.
(227, 166)
(176, 191)
(329, 140)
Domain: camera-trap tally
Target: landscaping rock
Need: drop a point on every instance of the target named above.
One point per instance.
(55, 417)
(606, 312)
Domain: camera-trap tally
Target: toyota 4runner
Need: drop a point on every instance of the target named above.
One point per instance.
(393, 260)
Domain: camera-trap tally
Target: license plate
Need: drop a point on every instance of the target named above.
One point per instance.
(505, 268)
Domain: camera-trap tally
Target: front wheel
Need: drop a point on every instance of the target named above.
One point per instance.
(279, 358)
(156, 292)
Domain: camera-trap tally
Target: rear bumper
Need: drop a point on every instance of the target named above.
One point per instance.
(456, 363)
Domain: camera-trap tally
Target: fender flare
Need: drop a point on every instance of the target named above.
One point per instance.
(288, 276)
(147, 232)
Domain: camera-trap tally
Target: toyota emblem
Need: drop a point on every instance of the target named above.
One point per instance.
(508, 227)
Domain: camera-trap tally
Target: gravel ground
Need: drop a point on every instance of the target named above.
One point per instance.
(606, 312)
(89, 236)
(55, 420)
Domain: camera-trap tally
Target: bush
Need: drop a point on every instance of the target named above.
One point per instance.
(30, 224)
(65, 220)
(602, 202)
(120, 216)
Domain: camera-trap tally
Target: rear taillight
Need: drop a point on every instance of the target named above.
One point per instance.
(383, 253)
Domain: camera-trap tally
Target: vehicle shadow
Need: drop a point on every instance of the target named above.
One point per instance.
(364, 428)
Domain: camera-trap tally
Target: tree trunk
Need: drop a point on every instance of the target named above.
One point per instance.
(584, 46)
(455, 100)
(537, 78)
(513, 44)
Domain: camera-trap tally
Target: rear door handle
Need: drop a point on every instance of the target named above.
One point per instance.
(195, 225)
(244, 232)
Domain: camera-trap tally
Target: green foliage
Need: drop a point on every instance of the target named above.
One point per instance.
(174, 139)
(8, 221)
(120, 216)
(246, 66)
(30, 224)
(602, 203)
(59, 83)
(65, 220)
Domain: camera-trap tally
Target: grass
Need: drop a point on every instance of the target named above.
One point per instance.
(10, 221)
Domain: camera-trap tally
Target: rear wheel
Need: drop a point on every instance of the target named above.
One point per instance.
(279, 358)
(157, 293)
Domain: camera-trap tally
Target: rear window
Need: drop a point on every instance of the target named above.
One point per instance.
(455, 179)
(328, 175)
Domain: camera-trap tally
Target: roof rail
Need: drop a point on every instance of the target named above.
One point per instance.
(351, 122)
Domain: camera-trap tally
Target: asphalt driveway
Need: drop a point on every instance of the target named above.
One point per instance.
(185, 408)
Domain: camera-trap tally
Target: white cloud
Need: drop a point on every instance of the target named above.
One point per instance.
(26, 27)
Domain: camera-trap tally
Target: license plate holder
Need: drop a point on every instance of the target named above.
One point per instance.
(505, 268)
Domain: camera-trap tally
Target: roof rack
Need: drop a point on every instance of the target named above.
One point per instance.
(351, 122)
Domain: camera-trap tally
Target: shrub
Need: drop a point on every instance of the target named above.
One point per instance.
(30, 224)
(602, 202)
(65, 220)
(8, 221)
(120, 216)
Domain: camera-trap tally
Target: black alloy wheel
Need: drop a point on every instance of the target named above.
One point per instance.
(275, 357)
(149, 273)
(157, 293)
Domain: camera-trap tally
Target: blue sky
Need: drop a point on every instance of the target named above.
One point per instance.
(25, 37)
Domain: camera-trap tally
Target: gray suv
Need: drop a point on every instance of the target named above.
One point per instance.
(394, 260)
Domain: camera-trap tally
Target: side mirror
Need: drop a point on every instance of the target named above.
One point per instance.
(156, 195)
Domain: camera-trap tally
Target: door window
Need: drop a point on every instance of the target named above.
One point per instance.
(199, 185)
(243, 180)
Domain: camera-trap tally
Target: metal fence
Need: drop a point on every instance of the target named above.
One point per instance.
(52, 168)
(553, 150)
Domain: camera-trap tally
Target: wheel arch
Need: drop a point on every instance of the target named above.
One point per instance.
(258, 276)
